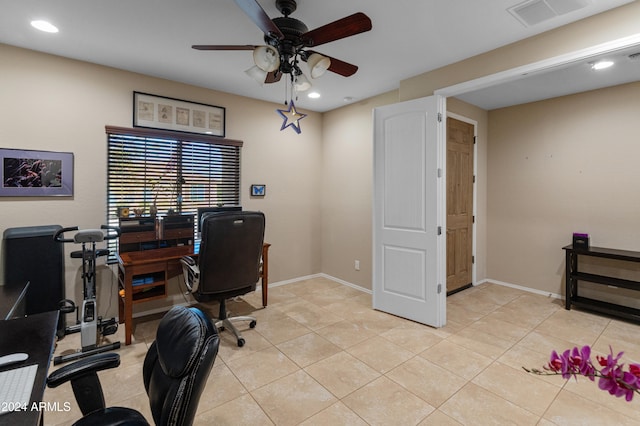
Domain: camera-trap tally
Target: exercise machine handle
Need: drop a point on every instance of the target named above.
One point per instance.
(109, 235)
(58, 236)
(88, 235)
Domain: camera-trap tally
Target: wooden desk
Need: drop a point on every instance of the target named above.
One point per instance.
(151, 271)
(33, 335)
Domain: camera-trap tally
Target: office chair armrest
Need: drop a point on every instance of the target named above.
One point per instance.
(191, 273)
(83, 367)
(84, 379)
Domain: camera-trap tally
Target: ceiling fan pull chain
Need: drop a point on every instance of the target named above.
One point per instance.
(285, 94)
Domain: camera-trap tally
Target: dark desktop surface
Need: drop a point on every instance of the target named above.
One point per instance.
(33, 335)
(13, 300)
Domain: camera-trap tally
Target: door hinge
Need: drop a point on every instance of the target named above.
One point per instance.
(473, 259)
(439, 288)
(439, 173)
(474, 178)
(473, 219)
(439, 230)
(439, 117)
(474, 140)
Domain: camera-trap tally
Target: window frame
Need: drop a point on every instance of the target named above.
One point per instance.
(178, 143)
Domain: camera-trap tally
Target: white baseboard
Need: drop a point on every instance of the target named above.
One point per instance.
(519, 287)
(320, 275)
(292, 281)
(348, 284)
(179, 300)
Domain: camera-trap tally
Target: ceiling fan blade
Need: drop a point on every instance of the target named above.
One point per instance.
(223, 47)
(273, 77)
(337, 66)
(345, 27)
(257, 14)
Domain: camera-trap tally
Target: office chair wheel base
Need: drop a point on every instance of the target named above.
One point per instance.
(240, 342)
(252, 324)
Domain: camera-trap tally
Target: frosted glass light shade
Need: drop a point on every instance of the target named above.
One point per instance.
(257, 74)
(266, 58)
(301, 83)
(318, 64)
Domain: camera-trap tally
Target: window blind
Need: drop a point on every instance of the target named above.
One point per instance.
(176, 172)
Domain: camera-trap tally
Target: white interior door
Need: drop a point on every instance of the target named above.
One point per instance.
(409, 211)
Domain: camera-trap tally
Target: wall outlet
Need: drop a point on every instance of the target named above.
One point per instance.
(356, 265)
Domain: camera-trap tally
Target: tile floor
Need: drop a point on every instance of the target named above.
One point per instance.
(321, 356)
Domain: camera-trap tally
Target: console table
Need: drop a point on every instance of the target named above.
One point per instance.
(573, 276)
(151, 270)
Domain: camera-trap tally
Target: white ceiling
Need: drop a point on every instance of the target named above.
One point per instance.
(409, 37)
(569, 78)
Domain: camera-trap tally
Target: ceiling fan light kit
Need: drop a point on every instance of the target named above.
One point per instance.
(301, 83)
(266, 58)
(257, 74)
(318, 64)
(287, 43)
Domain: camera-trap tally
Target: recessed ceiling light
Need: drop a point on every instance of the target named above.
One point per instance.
(347, 98)
(600, 65)
(314, 95)
(45, 26)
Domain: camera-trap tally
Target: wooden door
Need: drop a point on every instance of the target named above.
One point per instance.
(408, 248)
(460, 180)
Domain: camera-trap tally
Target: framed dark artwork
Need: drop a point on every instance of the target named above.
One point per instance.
(258, 190)
(158, 112)
(27, 173)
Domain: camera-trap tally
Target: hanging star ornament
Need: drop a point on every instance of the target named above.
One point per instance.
(291, 117)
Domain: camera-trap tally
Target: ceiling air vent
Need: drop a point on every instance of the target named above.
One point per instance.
(533, 12)
(634, 56)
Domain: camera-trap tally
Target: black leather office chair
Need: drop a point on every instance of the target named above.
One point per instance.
(175, 372)
(228, 262)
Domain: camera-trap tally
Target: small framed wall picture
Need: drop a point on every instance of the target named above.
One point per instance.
(258, 190)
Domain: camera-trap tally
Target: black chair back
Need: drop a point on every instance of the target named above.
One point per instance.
(178, 364)
(230, 253)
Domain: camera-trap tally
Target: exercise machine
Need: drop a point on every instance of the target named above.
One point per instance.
(88, 323)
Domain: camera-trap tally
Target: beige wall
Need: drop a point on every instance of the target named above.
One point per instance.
(612, 25)
(51, 103)
(560, 166)
(318, 202)
(347, 178)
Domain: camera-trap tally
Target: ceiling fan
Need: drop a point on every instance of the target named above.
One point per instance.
(288, 41)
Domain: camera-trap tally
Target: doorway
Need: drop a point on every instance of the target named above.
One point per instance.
(460, 203)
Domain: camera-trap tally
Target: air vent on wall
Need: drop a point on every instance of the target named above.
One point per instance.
(634, 56)
(533, 12)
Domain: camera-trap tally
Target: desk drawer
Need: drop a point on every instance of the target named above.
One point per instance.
(148, 268)
(178, 233)
(137, 237)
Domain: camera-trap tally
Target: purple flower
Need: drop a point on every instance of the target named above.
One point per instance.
(635, 370)
(560, 363)
(581, 362)
(612, 376)
(614, 379)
